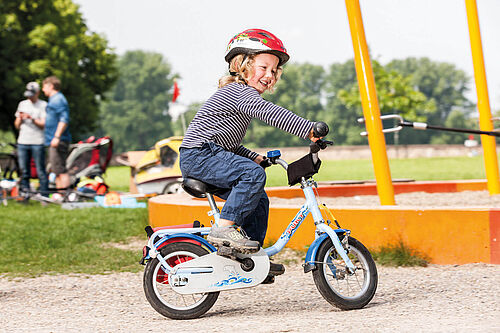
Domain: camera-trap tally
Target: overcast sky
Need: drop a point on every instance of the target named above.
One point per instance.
(193, 34)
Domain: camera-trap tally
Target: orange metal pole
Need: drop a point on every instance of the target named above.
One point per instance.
(483, 101)
(369, 102)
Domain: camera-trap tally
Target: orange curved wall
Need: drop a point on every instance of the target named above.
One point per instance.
(446, 236)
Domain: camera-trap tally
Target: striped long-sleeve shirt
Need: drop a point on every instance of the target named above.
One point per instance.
(225, 116)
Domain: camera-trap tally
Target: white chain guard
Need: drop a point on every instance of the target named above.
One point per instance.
(221, 273)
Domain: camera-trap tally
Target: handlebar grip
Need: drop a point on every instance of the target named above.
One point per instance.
(266, 162)
(320, 129)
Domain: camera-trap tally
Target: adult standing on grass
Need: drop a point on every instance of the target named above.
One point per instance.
(30, 121)
(57, 135)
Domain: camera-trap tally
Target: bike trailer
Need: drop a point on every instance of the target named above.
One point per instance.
(90, 158)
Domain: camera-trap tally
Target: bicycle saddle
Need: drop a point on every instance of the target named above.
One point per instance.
(199, 189)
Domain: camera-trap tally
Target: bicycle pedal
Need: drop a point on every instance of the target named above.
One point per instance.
(276, 269)
(268, 280)
(226, 251)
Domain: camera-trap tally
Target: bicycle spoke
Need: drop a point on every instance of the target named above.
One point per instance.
(339, 277)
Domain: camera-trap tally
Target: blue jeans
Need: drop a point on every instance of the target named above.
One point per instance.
(25, 153)
(246, 201)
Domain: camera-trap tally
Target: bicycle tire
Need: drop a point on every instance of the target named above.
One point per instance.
(330, 278)
(156, 285)
(9, 165)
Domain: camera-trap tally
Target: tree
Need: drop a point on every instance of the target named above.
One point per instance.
(395, 95)
(404, 87)
(135, 116)
(442, 83)
(456, 119)
(39, 38)
(341, 118)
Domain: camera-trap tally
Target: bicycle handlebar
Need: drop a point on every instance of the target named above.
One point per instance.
(273, 157)
(320, 130)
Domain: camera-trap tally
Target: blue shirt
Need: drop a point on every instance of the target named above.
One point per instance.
(57, 111)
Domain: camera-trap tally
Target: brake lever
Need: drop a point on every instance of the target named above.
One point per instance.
(324, 143)
(320, 144)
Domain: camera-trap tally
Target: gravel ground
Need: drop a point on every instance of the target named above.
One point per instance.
(432, 299)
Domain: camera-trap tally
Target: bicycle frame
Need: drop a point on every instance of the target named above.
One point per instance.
(310, 206)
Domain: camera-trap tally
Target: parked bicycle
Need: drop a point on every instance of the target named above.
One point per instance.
(184, 273)
(9, 166)
(9, 170)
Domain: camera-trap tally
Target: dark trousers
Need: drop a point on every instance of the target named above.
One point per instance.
(37, 152)
(246, 201)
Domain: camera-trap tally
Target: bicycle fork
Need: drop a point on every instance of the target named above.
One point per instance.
(321, 227)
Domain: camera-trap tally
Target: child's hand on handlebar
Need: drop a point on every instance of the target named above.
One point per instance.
(263, 161)
(318, 131)
(312, 137)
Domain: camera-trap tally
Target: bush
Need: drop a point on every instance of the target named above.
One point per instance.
(399, 255)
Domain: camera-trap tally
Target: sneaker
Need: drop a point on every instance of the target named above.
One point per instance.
(231, 237)
(43, 200)
(24, 197)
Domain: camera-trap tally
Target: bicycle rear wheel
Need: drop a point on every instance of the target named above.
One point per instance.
(9, 166)
(159, 293)
(340, 288)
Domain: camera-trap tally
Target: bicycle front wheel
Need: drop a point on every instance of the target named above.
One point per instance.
(159, 293)
(341, 288)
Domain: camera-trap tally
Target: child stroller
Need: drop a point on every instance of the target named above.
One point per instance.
(86, 163)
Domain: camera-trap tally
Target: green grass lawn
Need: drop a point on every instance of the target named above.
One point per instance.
(117, 178)
(439, 168)
(37, 240)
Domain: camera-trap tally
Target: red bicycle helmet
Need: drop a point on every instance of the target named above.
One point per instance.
(254, 41)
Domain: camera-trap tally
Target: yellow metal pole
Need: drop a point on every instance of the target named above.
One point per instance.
(483, 101)
(369, 102)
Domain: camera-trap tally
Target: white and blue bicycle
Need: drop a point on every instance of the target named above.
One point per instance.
(184, 273)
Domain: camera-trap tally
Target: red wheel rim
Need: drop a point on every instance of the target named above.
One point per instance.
(162, 277)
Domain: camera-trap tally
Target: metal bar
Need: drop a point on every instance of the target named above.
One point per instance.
(289, 231)
(369, 102)
(483, 102)
(385, 130)
(424, 126)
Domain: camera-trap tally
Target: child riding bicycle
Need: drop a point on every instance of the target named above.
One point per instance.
(212, 152)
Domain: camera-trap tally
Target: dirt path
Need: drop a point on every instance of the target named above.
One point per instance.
(432, 299)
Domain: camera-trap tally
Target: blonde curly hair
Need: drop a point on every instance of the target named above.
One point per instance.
(241, 69)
